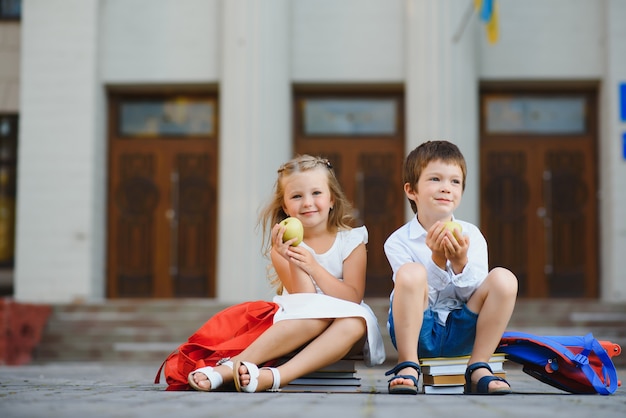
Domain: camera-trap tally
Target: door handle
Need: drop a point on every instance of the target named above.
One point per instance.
(172, 215)
(541, 212)
(546, 215)
(360, 197)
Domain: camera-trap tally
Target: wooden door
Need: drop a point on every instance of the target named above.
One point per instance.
(538, 190)
(162, 197)
(363, 137)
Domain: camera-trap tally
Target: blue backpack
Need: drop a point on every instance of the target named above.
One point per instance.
(575, 364)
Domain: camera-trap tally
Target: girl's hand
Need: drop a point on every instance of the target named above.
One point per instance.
(277, 241)
(303, 259)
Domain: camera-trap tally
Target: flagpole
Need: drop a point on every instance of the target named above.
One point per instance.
(463, 24)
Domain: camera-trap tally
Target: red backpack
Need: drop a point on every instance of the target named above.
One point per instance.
(225, 334)
(575, 364)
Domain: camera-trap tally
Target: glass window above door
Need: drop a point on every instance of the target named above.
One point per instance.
(349, 117)
(10, 9)
(536, 115)
(171, 117)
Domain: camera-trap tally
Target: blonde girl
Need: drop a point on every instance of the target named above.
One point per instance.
(320, 285)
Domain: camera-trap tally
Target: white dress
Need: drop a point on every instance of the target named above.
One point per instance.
(319, 305)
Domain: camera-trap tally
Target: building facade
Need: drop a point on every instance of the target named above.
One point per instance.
(148, 135)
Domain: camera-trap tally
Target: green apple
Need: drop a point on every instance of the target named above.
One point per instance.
(453, 226)
(293, 229)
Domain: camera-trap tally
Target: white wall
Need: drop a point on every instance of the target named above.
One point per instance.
(255, 138)
(164, 41)
(555, 39)
(347, 41)
(612, 163)
(60, 222)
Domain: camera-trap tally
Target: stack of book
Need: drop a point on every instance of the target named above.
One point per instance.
(446, 375)
(338, 377)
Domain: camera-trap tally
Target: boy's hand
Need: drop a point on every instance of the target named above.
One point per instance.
(455, 249)
(435, 241)
(447, 245)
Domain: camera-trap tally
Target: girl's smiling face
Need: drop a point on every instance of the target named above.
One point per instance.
(307, 197)
(438, 191)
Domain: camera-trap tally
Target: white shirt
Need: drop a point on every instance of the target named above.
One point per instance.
(446, 291)
(345, 243)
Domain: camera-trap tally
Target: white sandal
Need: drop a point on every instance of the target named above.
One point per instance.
(214, 377)
(253, 371)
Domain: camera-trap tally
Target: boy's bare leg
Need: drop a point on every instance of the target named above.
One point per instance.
(281, 338)
(330, 346)
(410, 298)
(494, 301)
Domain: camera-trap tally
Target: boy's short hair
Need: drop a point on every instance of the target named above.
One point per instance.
(429, 151)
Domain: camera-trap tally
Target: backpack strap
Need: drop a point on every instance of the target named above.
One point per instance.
(608, 368)
(157, 378)
(591, 344)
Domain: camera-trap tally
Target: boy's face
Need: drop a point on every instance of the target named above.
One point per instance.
(438, 191)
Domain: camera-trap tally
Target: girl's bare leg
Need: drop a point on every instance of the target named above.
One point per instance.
(494, 301)
(329, 347)
(410, 298)
(281, 338)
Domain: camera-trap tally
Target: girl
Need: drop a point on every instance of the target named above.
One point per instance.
(320, 285)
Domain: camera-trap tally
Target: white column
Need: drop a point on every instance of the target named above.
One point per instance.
(255, 137)
(442, 85)
(612, 164)
(61, 208)
(9, 67)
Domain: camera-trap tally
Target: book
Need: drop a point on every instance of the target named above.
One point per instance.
(450, 379)
(324, 385)
(457, 365)
(444, 389)
(329, 374)
(437, 361)
(354, 381)
(326, 389)
(457, 369)
(340, 376)
(341, 366)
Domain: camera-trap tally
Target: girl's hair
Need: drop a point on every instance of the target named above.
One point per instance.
(340, 216)
(429, 151)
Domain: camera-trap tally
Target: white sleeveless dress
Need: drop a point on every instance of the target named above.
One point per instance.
(319, 305)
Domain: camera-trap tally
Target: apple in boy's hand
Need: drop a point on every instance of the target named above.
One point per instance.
(452, 226)
(293, 229)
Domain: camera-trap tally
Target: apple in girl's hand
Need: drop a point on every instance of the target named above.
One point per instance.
(293, 229)
(452, 226)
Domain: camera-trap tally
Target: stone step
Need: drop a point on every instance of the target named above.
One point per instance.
(148, 330)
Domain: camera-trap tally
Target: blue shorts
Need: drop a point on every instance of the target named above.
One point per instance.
(456, 338)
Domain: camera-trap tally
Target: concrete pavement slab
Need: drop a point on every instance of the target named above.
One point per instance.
(126, 390)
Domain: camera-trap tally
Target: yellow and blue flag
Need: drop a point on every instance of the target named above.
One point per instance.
(488, 12)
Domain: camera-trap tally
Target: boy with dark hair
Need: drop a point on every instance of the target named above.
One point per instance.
(445, 302)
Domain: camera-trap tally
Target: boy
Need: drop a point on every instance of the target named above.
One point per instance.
(444, 303)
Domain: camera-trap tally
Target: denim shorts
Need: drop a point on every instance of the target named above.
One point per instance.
(455, 338)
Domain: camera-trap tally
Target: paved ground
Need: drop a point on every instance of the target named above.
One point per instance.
(126, 390)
